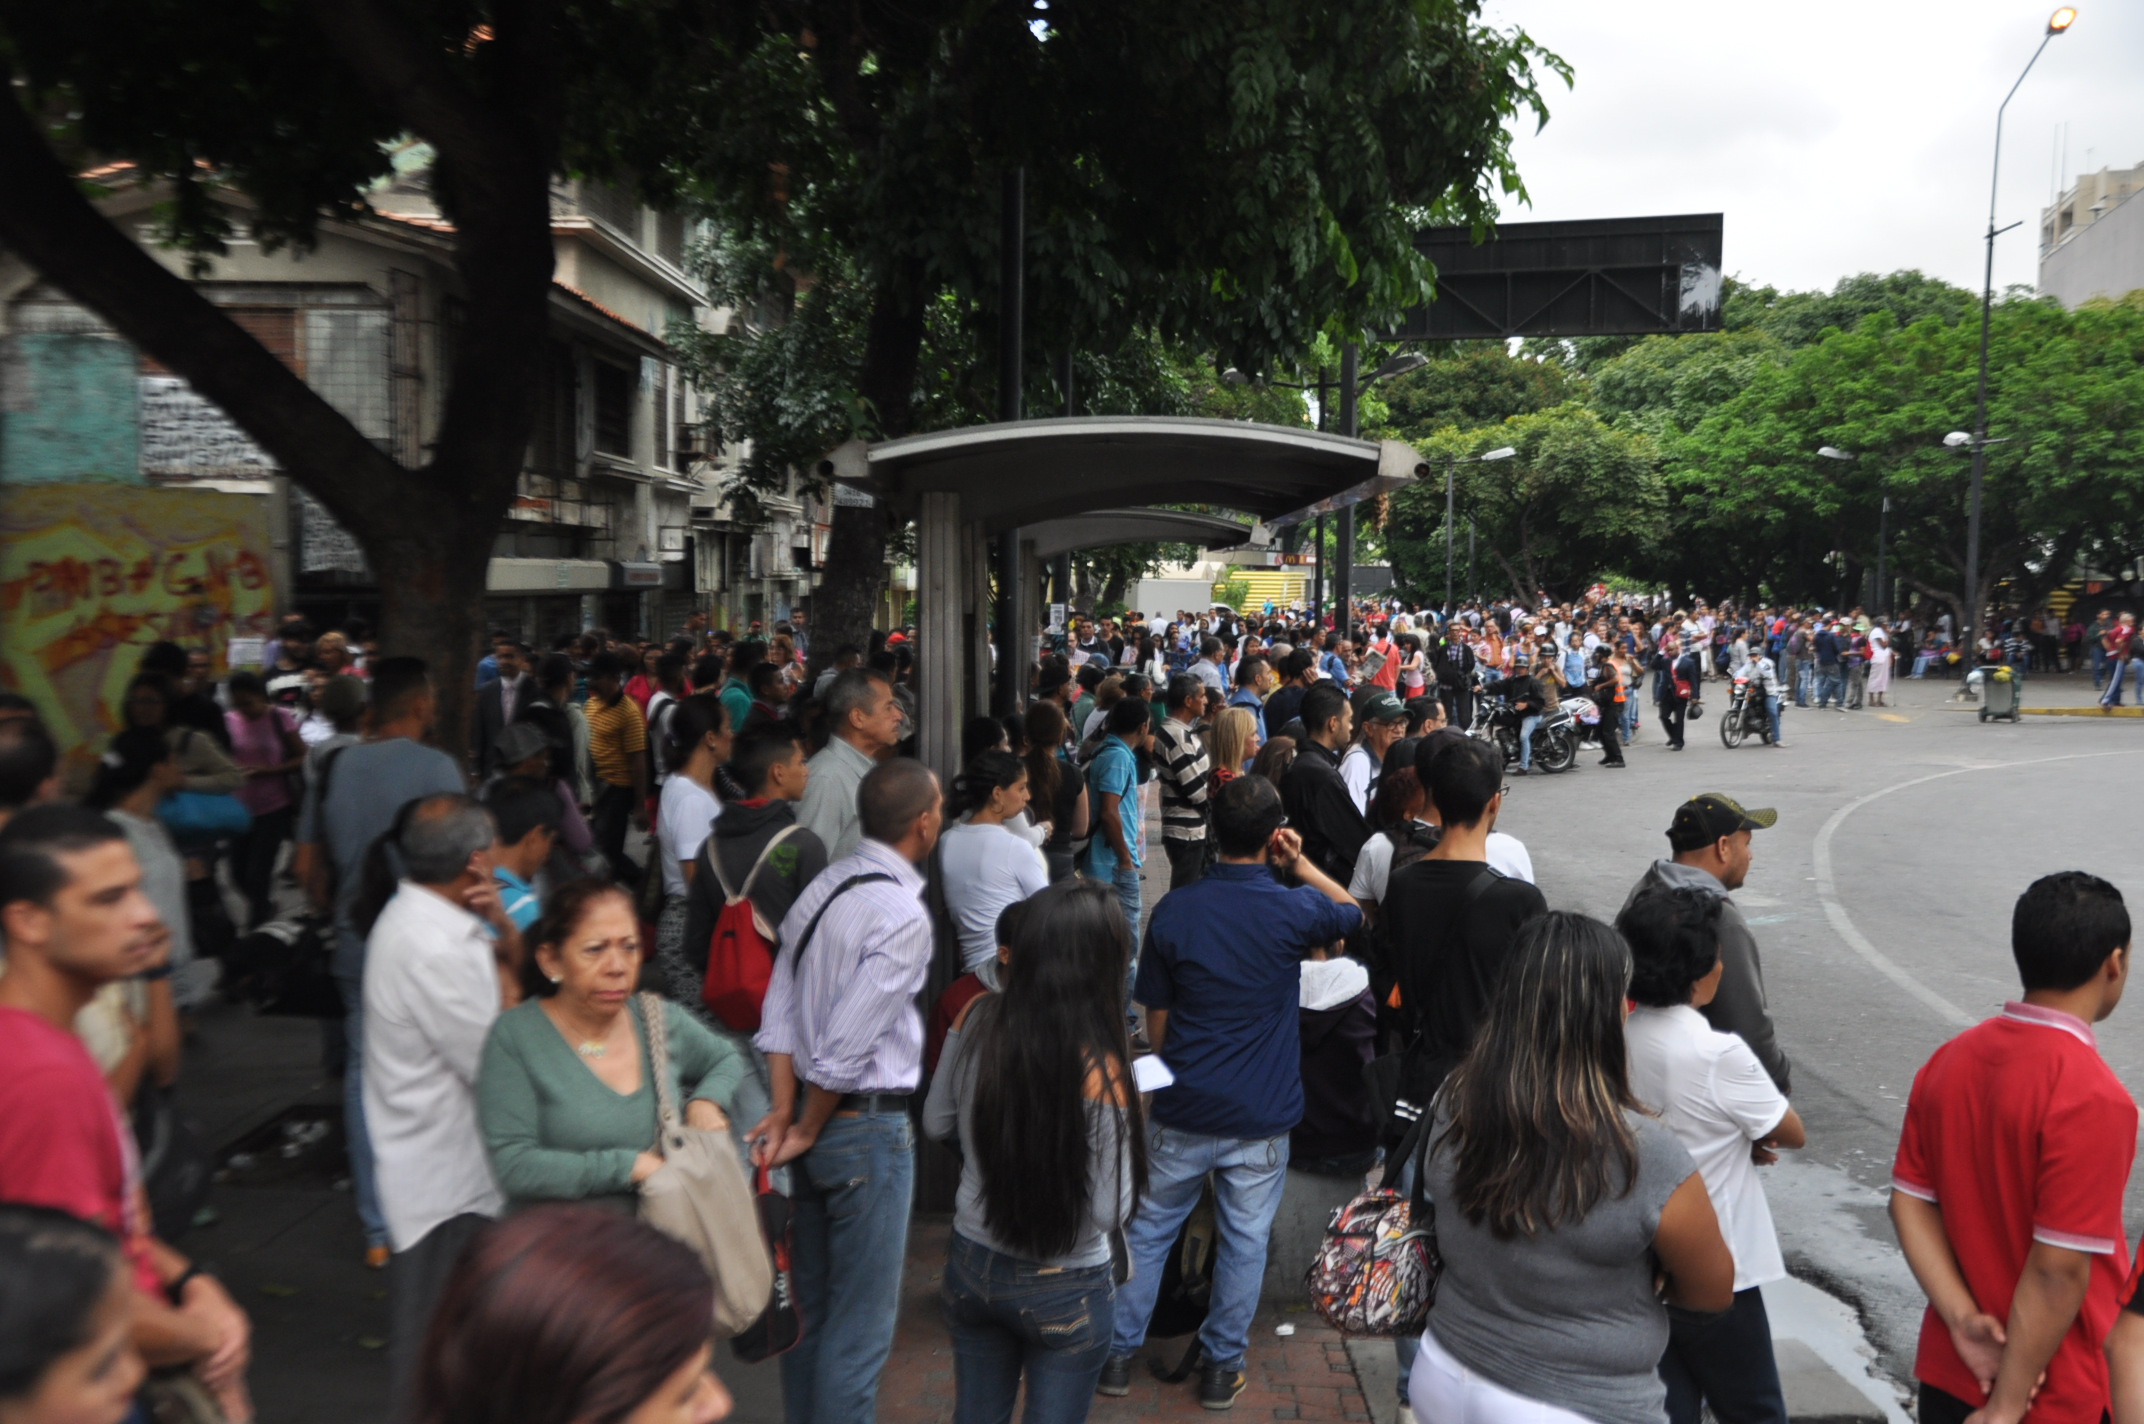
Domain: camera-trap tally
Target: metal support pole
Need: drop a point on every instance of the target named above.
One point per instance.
(1014, 636)
(1883, 547)
(1344, 541)
(1968, 643)
(1317, 577)
(1473, 588)
(1451, 467)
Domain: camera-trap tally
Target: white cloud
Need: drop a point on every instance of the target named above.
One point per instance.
(1837, 137)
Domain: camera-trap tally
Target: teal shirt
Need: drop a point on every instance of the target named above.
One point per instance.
(737, 701)
(1115, 769)
(518, 897)
(556, 1132)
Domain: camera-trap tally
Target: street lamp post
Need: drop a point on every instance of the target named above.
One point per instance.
(2057, 23)
(1451, 468)
(1883, 522)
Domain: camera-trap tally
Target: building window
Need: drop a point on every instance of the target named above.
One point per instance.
(665, 432)
(616, 206)
(670, 239)
(614, 409)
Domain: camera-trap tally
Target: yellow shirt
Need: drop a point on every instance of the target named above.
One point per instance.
(615, 733)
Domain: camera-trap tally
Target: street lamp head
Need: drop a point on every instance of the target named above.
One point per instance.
(1504, 453)
(2062, 19)
(1957, 438)
(1399, 365)
(1833, 452)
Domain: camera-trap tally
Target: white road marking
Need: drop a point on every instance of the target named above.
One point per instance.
(1826, 886)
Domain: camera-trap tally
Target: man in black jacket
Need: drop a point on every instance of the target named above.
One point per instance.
(1675, 673)
(1453, 666)
(1528, 702)
(1298, 674)
(496, 703)
(1319, 808)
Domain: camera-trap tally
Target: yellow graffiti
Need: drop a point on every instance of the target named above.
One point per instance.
(91, 574)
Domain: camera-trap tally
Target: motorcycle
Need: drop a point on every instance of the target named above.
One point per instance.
(1744, 714)
(1555, 740)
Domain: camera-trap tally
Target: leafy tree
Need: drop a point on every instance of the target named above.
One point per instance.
(1227, 176)
(294, 105)
(1579, 499)
(1470, 383)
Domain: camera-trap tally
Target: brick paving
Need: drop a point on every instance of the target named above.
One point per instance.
(1303, 1376)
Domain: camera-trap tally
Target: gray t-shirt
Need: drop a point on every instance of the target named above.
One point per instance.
(951, 1106)
(367, 789)
(1568, 1317)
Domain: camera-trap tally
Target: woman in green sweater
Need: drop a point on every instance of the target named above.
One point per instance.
(564, 1092)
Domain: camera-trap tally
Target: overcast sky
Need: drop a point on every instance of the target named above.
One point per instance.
(1837, 136)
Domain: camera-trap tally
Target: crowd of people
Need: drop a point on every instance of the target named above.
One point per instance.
(698, 871)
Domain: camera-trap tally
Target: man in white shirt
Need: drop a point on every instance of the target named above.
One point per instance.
(1712, 1091)
(434, 965)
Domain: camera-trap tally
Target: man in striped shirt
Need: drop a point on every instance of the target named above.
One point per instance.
(844, 1043)
(1181, 767)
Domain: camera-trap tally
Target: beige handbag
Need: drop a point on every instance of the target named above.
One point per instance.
(701, 1195)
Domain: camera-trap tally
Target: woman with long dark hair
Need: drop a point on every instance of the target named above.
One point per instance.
(984, 864)
(1054, 785)
(1036, 1090)
(1559, 1200)
(572, 1315)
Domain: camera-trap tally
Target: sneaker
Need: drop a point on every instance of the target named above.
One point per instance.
(1406, 1414)
(376, 1258)
(1116, 1380)
(1219, 1386)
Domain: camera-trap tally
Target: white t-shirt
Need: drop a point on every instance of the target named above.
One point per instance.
(1715, 1095)
(1373, 864)
(986, 868)
(688, 814)
(1359, 770)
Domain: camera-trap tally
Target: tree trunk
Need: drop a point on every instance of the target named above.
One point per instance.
(432, 604)
(843, 607)
(1113, 589)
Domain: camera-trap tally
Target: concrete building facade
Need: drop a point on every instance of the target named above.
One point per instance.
(2092, 239)
(619, 520)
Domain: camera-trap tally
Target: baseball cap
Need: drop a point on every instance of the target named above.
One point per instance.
(1380, 706)
(1709, 816)
(518, 741)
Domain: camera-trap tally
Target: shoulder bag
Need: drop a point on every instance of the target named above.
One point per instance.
(701, 1197)
(1377, 1270)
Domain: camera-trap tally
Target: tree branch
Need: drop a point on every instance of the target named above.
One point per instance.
(49, 222)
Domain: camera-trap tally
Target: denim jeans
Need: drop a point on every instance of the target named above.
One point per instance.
(1725, 1361)
(1830, 685)
(1249, 1174)
(1527, 726)
(2099, 666)
(1771, 710)
(1125, 881)
(1007, 1316)
(851, 1195)
(1804, 675)
(364, 1179)
(1630, 719)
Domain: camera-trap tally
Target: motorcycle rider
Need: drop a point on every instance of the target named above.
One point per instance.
(1766, 685)
(1526, 702)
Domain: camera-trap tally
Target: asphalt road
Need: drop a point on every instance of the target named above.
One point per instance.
(1881, 903)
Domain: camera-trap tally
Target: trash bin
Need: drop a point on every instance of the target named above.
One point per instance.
(1998, 692)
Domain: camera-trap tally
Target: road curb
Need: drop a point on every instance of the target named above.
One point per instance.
(2082, 711)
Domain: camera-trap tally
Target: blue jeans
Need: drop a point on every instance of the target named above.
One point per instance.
(1726, 1361)
(1831, 685)
(1771, 710)
(1249, 1174)
(364, 1178)
(851, 1195)
(1804, 675)
(1630, 719)
(1527, 726)
(2099, 666)
(1125, 881)
(1007, 1315)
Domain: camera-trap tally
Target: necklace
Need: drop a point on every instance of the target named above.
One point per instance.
(591, 1050)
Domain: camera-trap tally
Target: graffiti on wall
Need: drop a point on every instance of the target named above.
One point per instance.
(92, 574)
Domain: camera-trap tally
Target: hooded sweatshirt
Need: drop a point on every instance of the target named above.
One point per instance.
(741, 832)
(1739, 1007)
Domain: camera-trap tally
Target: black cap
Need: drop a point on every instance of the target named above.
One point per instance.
(1710, 816)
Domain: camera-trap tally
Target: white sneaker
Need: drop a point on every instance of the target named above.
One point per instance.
(1406, 1415)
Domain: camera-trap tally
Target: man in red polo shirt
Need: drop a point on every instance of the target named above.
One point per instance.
(75, 919)
(2007, 1192)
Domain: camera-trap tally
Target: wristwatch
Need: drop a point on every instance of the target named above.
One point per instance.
(176, 1291)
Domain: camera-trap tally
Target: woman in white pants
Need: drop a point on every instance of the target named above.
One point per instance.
(1558, 1197)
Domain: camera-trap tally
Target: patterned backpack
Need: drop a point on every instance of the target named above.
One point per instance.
(1376, 1273)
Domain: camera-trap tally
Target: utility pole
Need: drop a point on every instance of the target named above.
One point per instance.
(1344, 550)
(1014, 639)
(1451, 467)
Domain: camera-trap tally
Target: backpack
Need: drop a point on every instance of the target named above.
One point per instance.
(740, 952)
(1377, 1269)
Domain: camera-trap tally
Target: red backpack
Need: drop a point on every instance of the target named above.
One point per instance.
(740, 953)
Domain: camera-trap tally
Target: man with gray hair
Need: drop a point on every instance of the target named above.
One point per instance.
(433, 985)
(864, 719)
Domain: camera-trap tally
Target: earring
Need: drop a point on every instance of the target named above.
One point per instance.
(558, 978)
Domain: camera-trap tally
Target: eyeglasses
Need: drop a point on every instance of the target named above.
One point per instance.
(1505, 790)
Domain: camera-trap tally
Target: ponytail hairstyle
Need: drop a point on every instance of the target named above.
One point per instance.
(691, 722)
(986, 773)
